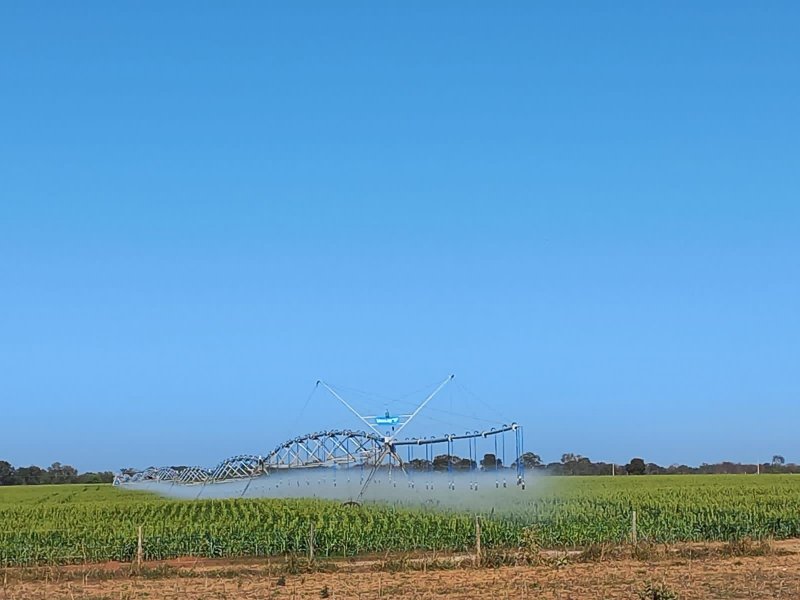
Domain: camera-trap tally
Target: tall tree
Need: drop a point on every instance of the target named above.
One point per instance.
(490, 461)
(58, 473)
(32, 475)
(530, 460)
(7, 473)
(636, 467)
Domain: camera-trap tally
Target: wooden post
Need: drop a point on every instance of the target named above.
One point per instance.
(634, 535)
(311, 543)
(139, 548)
(477, 540)
(613, 469)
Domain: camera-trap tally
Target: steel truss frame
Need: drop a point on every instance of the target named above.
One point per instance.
(333, 448)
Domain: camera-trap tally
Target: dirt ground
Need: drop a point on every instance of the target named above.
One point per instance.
(776, 575)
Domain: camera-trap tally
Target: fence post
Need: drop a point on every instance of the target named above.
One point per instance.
(634, 534)
(477, 540)
(311, 543)
(139, 548)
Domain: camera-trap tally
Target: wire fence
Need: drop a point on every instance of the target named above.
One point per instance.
(74, 546)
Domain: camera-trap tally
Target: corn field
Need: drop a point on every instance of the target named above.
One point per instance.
(77, 523)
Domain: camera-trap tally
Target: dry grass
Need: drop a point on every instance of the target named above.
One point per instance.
(691, 572)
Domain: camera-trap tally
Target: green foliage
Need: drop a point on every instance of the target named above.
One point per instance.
(657, 591)
(55, 473)
(636, 467)
(77, 523)
(530, 460)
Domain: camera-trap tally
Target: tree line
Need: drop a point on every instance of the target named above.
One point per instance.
(570, 464)
(55, 473)
(575, 464)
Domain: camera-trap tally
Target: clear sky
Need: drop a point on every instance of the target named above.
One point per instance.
(589, 213)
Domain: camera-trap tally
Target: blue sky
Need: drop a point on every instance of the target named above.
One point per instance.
(589, 213)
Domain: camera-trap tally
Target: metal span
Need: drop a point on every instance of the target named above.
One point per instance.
(335, 448)
(374, 449)
(326, 449)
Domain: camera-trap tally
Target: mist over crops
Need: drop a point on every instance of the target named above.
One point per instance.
(78, 523)
(473, 490)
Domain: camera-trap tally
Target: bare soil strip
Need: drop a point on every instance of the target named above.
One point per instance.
(776, 575)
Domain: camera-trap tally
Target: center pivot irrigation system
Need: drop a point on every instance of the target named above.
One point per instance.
(370, 451)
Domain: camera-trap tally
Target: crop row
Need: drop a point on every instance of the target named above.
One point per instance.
(562, 512)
